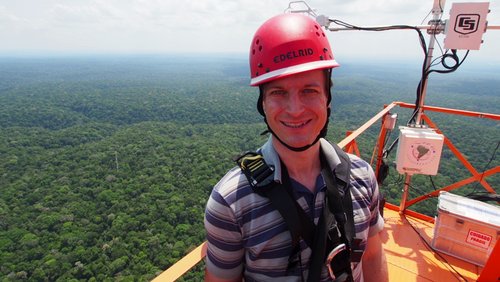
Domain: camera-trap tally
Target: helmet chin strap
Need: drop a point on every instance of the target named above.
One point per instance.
(321, 134)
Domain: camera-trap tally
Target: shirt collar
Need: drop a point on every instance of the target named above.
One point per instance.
(272, 158)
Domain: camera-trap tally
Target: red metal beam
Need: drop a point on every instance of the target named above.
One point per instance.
(453, 186)
(452, 111)
(183, 265)
(352, 147)
(491, 271)
(476, 176)
(462, 159)
(380, 150)
(365, 126)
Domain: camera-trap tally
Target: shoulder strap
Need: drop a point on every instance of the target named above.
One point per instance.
(260, 177)
(295, 218)
(344, 170)
(339, 196)
(334, 226)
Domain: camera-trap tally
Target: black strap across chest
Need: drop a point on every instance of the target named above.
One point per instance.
(336, 224)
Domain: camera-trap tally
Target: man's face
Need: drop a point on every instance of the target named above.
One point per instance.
(296, 107)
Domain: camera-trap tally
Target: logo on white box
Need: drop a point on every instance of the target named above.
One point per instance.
(467, 23)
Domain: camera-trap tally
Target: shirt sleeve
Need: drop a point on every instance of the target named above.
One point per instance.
(376, 221)
(225, 252)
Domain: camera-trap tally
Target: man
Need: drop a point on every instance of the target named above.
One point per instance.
(248, 237)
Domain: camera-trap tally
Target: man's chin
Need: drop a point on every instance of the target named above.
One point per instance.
(298, 143)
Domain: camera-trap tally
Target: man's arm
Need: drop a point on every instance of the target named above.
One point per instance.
(225, 252)
(374, 261)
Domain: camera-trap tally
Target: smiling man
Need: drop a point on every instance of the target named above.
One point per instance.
(299, 208)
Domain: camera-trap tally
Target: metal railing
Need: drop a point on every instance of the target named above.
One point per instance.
(349, 144)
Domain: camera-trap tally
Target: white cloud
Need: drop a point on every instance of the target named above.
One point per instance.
(7, 18)
(201, 25)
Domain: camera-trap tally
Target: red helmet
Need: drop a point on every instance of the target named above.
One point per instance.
(288, 44)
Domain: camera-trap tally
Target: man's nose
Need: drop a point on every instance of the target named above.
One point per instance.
(295, 104)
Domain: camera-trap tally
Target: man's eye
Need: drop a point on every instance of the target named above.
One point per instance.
(277, 92)
(310, 91)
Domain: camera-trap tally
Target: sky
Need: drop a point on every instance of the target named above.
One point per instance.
(212, 26)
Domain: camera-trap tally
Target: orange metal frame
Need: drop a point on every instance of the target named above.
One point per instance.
(476, 176)
(183, 265)
(489, 273)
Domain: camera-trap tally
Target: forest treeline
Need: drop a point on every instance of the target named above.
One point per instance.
(107, 162)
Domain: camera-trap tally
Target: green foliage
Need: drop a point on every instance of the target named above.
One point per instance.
(107, 163)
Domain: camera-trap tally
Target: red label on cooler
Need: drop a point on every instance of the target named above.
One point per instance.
(479, 239)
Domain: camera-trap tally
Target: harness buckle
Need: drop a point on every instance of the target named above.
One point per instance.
(255, 168)
(337, 250)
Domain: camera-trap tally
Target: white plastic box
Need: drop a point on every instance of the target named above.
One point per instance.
(465, 228)
(419, 150)
(466, 26)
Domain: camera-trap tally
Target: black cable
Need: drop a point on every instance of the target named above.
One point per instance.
(396, 181)
(419, 190)
(455, 58)
(388, 151)
(493, 155)
(423, 44)
(385, 28)
(425, 73)
(486, 197)
(428, 71)
(432, 182)
(457, 274)
(387, 138)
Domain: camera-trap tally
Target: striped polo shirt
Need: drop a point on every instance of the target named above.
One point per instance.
(246, 235)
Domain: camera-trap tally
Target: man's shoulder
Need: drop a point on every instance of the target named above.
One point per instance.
(362, 177)
(359, 164)
(235, 190)
(233, 180)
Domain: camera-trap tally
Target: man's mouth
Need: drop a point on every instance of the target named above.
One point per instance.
(295, 124)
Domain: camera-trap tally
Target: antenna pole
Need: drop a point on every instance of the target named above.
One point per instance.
(437, 12)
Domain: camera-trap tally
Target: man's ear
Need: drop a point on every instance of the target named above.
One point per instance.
(260, 101)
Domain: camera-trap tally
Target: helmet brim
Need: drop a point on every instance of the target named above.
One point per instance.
(284, 72)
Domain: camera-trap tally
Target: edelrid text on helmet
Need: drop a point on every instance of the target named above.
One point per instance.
(288, 44)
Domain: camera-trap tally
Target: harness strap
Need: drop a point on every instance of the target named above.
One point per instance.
(334, 217)
(338, 217)
(260, 176)
(340, 264)
(339, 189)
(299, 224)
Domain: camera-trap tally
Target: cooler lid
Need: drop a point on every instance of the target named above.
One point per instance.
(469, 208)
